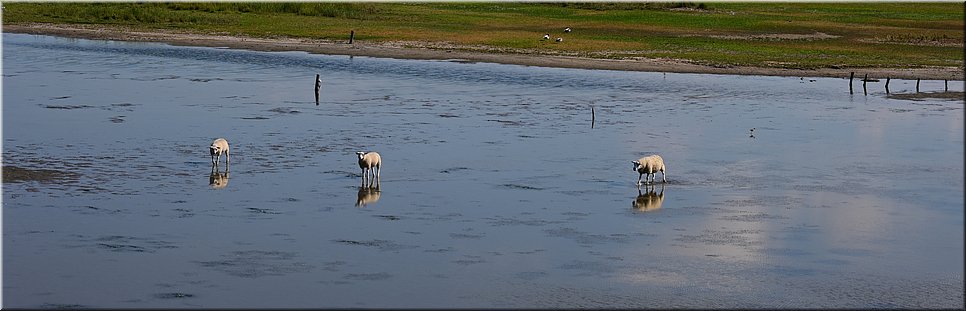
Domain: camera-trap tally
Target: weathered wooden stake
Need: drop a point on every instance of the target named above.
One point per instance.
(864, 81)
(851, 75)
(887, 84)
(318, 85)
(945, 81)
(352, 35)
(917, 85)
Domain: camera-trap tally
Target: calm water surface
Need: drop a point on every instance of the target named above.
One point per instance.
(495, 191)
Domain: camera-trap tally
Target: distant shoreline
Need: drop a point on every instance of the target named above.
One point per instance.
(436, 51)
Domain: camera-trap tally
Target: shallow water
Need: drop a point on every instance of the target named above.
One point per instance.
(496, 190)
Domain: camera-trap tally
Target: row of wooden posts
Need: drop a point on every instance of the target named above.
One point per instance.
(865, 80)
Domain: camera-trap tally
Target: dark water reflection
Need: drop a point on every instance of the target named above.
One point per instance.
(647, 199)
(218, 179)
(497, 193)
(369, 193)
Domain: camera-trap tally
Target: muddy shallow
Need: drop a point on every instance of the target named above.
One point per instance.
(495, 191)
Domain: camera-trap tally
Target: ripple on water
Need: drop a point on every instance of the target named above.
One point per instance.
(256, 264)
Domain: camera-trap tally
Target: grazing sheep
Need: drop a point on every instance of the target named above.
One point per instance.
(546, 36)
(218, 147)
(649, 201)
(567, 29)
(649, 165)
(368, 160)
(559, 39)
(368, 195)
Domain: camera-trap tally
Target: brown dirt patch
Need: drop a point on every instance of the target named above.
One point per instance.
(13, 174)
(779, 37)
(930, 96)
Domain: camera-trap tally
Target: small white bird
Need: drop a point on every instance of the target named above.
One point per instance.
(546, 36)
(559, 40)
(567, 29)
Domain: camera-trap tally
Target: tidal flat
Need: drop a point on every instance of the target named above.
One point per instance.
(498, 188)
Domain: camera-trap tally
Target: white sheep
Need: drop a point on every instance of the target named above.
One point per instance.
(650, 165)
(368, 160)
(218, 147)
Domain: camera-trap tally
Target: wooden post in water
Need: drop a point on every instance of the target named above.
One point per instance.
(864, 81)
(593, 116)
(946, 82)
(352, 35)
(851, 75)
(917, 85)
(318, 85)
(887, 84)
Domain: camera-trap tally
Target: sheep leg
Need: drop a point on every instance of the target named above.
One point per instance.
(639, 179)
(378, 172)
(227, 157)
(664, 176)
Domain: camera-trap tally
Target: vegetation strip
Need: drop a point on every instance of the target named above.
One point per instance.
(827, 39)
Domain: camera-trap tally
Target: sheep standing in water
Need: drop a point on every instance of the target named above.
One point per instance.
(368, 161)
(218, 147)
(649, 165)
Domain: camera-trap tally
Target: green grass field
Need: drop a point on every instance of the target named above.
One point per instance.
(785, 35)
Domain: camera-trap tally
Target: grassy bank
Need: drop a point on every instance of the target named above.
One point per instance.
(781, 35)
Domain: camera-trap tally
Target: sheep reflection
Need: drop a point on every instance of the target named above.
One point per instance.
(368, 194)
(218, 180)
(648, 200)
